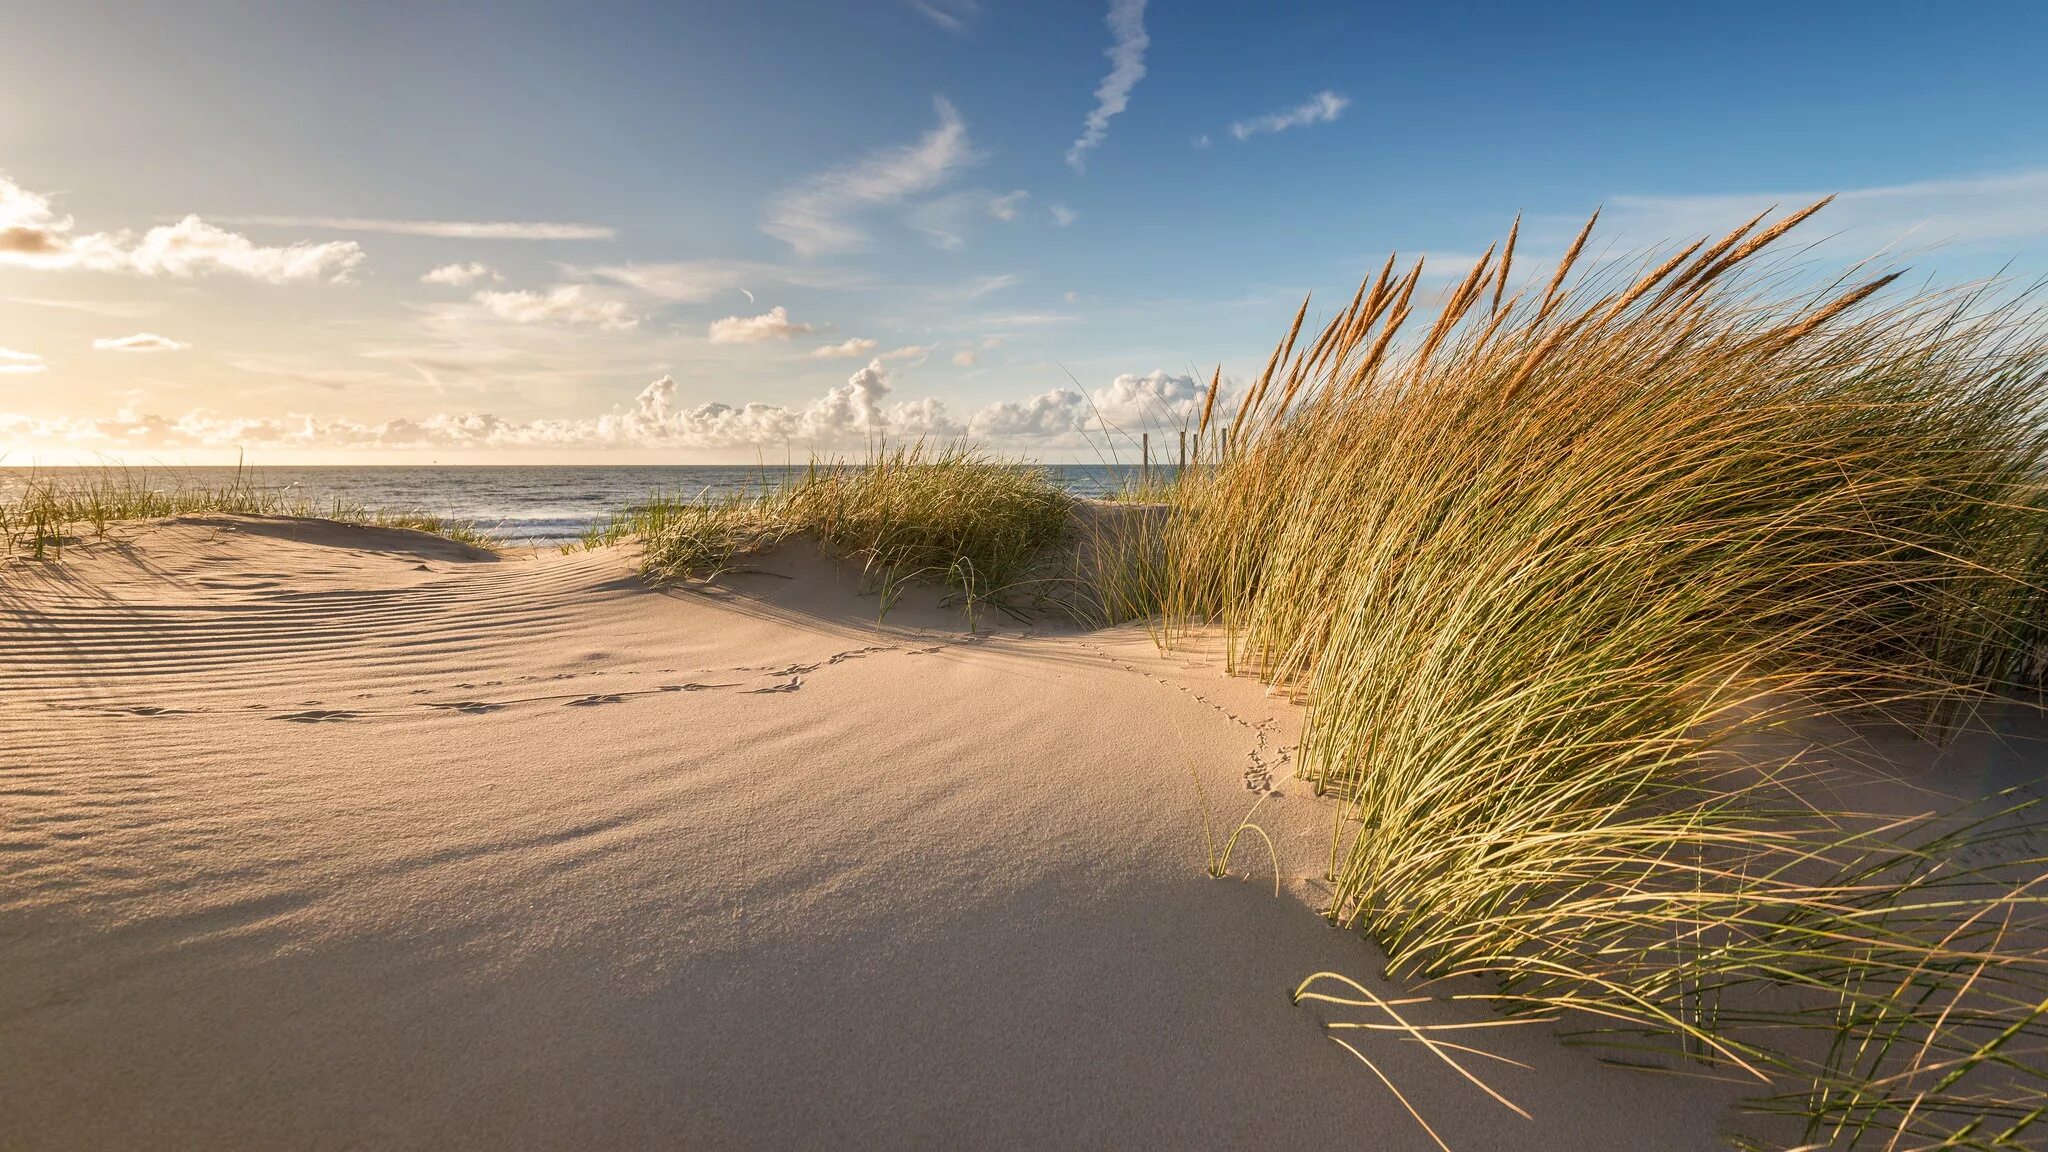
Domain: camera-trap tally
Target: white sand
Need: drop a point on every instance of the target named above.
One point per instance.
(330, 837)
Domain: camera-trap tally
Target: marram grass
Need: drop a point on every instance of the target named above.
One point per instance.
(979, 527)
(52, 510)
(1535, 565)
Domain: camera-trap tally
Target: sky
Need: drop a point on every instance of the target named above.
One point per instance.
(305, 233)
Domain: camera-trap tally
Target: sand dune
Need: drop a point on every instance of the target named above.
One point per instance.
(330, 837)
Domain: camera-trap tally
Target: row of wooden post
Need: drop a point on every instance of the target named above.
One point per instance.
(1145, 458)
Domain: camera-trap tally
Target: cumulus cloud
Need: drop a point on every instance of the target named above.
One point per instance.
(1126, 53)
(770, 326)
(819, 214)
(33, 235)
(1047, 415)
(1155, 399)
(14, 363)
(567, 304)
(851, 349)
(140, 342)
(460, 275)
(445, 229)
(1320, 108)
(1131, 403)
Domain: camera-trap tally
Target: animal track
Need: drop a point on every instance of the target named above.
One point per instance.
(795, 682)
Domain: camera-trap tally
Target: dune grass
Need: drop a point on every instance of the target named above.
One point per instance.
(951, 516)
(1536, 568)
(54, 509)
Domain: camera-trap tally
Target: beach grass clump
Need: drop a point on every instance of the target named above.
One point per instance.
(1538, 569)
(703, 538)
(47, 511)
(950, 516)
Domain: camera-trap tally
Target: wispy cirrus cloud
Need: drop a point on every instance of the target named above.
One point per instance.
(1995, 210)
(1320, 108)
(140, 342)
(952, 15)
(444, 229)
(1128, 41)
(13, 363)
(820, 214)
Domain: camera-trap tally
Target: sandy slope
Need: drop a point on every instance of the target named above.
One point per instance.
(329, 837)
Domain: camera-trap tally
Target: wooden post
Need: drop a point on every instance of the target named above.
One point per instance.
(1183, 466)
(1145, 467)
(1198, 448)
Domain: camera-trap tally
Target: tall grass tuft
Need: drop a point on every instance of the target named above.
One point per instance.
(950, 516)
(1535, 567)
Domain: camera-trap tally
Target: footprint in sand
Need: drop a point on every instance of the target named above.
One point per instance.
(318, 716)
(795, 682)
(593, 700)
(146, 710)
(468, 707)
(694, 687)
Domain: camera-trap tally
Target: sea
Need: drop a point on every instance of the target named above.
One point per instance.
(542, 505)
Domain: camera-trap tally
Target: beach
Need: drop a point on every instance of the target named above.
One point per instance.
(325, 835)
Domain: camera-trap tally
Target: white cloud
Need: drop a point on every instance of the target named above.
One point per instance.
(1006, 206)
(1320, 108)
(14, 363)
(1050, 414)
(1126, 53)
(1062, 216)
(1072, 297)
(458, 275)
(952, 15)
(818, 215)
(445, 229)
(907, 352)
(1064, 416)
(192, 246)
(567, 304)
(771, 325)
(1153, 400)
(851, 349)
(33, 235)
(140, 342)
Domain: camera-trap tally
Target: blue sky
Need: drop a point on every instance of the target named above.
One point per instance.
(700, 232)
